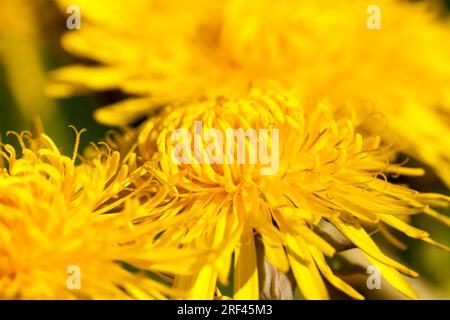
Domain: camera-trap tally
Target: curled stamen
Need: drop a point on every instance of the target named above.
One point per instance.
(77, 141)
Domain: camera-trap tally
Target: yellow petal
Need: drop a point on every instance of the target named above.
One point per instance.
(437, 244)
(199, 286)
(404, 227)
(438, 216)
(126, 111)
(226, 238)
(312, 238)
(245, 271)
(276, 256)
(394, 278)
(391, 238)
(331, 277)
(305, 271)
(356, 234)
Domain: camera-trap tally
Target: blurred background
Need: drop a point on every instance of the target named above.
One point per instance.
(30, 33)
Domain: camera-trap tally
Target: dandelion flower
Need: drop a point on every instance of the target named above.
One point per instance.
(326, 172)
(56, 240)
(162, 52)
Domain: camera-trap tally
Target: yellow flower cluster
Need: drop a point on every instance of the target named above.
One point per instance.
(319, 105)
(177, 51)
(66, 231)
(327, 172)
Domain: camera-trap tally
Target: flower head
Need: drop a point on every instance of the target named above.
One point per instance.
(180, 51)
(67, 231)
(326, 172)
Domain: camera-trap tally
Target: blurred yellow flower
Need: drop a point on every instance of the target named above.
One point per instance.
(21, 58)
(326, 171)
(162, 52)
(65, 231)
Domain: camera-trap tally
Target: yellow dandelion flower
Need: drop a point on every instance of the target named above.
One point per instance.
(326, 171)
(55, 241)
(170, 51)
